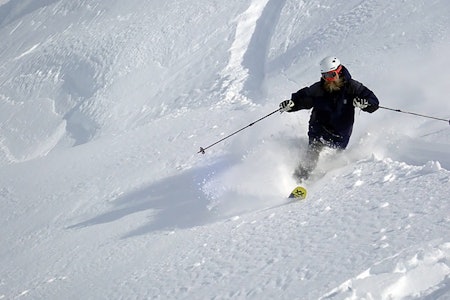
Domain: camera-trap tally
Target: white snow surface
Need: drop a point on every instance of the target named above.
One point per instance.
(105, 104)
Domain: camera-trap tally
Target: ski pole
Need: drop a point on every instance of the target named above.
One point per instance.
(415, 114)
(202, 150)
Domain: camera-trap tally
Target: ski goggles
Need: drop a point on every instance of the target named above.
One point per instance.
(331, 75)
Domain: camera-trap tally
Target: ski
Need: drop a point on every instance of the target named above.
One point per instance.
(299, 192)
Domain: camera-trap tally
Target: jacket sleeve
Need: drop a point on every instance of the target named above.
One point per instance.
(359, 90)
(303, 99)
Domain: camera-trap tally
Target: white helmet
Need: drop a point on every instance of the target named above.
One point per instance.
(329, 63)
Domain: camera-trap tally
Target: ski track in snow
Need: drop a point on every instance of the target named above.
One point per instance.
(401, 276)
(104, 105)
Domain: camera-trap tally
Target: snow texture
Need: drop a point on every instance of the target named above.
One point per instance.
(105, 104)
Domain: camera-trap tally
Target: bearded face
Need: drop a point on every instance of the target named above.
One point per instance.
(333, 86)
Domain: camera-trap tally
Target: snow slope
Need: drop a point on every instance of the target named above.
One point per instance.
(104, 105)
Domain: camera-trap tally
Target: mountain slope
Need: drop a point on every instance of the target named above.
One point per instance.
(104, 106)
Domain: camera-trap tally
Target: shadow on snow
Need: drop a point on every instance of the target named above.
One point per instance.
(175, 202)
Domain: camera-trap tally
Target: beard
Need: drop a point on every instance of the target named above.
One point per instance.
(333, 86)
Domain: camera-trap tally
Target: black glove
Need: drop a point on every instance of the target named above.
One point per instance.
(286, 105)
(360, 103)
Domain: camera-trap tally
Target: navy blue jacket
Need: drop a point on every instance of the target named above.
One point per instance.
(333, 114)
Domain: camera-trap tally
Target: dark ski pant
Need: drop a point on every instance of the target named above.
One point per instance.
(315, 146)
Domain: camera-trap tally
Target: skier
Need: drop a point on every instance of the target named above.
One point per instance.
(333, 100)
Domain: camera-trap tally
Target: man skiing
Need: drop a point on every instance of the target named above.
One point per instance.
(333, 100)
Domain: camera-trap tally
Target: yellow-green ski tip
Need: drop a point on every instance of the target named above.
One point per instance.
(299, 192)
